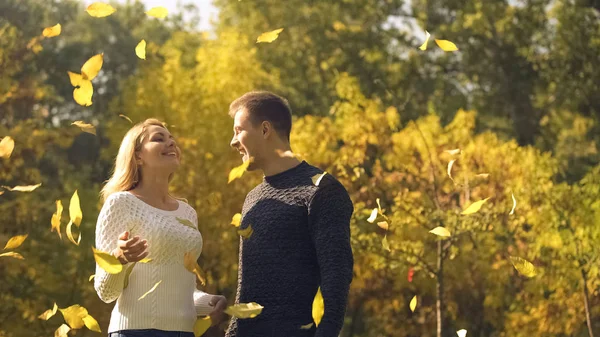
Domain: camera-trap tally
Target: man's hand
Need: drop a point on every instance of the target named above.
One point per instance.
(220, 304)
(130, 250)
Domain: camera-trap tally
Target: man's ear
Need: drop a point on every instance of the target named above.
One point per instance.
(267, 129)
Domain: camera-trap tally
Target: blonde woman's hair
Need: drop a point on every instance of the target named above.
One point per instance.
(126, 174)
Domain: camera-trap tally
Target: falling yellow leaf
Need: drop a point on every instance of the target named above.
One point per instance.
(186, 222)
(235, 221)
(201, 325)
(48, 313)
(83, 93)
(246, 232)
(383, 224)
(454, 152)
(512, 211)
(269, 36)
(13, 254)
(158, 12)
(28, 188)
(89, 128)
(140, 50)
(373, 216)
(378, 205)
(483, 175)
(316, 179)
(450, 169)
(100, 10)
(307, 326)
(474, 207)
(440, 231)
(523, 266)
(75, 209)
(52, 31)
(244, 310)
(70, 234)
(462, 333)
(413, 303)
(108, 262)
(74, 316)
(127, 274)
(318, 307)
(91, 323)
(446, 45)
(75, 78)
(7, 145)
(91, 67)
(151, 290)
(385, 244)
(55, 222)
(424, 45)
(15, 241)
(127, 118)
(62, 331)
(91, 277)
(145, 260)
(238, 172)
(191, 264)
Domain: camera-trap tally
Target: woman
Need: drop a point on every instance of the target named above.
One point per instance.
(141, 220)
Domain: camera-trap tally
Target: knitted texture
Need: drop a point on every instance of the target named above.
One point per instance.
(301, 241)
(175, 303)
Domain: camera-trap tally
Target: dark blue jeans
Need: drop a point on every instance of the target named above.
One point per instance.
(150, 333)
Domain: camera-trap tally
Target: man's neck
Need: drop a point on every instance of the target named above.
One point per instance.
(279, 164)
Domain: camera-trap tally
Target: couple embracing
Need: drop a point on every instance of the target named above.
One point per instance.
(301, 238)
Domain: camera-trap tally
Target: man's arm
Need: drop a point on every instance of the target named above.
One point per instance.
(330, 210)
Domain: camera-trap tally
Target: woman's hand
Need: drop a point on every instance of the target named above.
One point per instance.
(130, 250)
(220, 304)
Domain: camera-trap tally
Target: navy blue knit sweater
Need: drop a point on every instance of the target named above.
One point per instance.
(301, 241)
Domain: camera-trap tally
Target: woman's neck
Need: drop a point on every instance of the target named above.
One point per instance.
(154, 188)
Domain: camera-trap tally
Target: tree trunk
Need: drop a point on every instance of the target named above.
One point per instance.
(439, 289)
(586, 301)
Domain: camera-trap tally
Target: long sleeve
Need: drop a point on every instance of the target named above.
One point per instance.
(201, 300)
(112, 221)
(330, 210)
(232, 329)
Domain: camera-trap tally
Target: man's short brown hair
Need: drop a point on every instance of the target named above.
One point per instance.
(265, 106)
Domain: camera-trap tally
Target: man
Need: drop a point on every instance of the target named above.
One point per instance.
(301, 232)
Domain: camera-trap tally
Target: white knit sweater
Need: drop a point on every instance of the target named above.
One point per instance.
(175, 303)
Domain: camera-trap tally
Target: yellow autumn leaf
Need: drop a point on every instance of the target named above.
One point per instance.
(454, 152)
(450, 169)
(385, 244)
(373, 216)
(91, 323)
(85, 127)
(55, 222)
(100, 9)
(244, 310)
(91, 277)
(378, 205)
(237, 218)
(158, 12)
(28, 188)
(75, 210)
(474, 207)
(46, 315)
(307, 326)
(15, 241)
(316, 179)
(483, 175)
(7, 145)
(269, 36)
(446, 45)
(424, 45)
(75, 78)
(127, 118)
(91, 67)
(52, 31)
(201, 325)
(69, 232)
(512, 211)
(440, 231)
(151, 290)
(383, 224)
(462, 333)
(238, 172)
(523, 266)
(74, 316)
(246, 232)
(107, 261)
(186, 222)
(413, 303)
(127, 275)
(145, 260)
(62, 331)
(140, 50)
(191, 264)
(13, 254)
(83, 93)
(318, 307)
